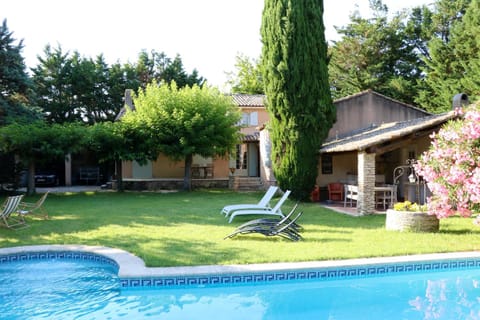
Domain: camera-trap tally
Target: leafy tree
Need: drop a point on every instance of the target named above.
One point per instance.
(294, 66)
(419, 30)
(247, 78)
(156, 66)
(74, 88)
(15, 86)
(117, 142)
(53, 85)
(379, 53)
(96, 95)
(466, 43)
(37, 141)
(121, 77)
(176, 72)
(446, 14)
(182, 122)
(444, 67)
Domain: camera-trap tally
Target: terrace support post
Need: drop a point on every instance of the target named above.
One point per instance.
(68, 170)
(366, 183)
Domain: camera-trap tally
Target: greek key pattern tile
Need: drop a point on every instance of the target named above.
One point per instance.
(321, 274)
(324, 274)
(60, 255)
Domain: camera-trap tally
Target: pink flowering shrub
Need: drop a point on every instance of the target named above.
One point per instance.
(451, 166)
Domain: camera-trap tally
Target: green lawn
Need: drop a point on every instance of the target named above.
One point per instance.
(174, 229)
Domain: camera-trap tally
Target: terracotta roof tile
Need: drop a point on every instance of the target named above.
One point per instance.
(251, 137)
(249, 100)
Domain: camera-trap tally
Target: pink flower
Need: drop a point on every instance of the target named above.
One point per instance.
(451, 166)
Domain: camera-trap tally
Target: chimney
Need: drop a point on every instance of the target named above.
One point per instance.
(460, 100)
(128, 99)
(128, 104)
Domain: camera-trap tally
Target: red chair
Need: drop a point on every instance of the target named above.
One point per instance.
(335, 191)
(315, 194)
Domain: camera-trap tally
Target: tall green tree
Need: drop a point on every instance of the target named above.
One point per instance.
(15, 85)
(444, 67)
(53, 86)
(71, 87)
(295, 72)
(182, 122)
(379, 53)
(157, 66)
(95, 98)
(248, 76)
(466, 44)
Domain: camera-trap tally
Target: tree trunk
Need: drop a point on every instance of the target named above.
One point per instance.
(119, 176)
(31, 178)
(187, 178)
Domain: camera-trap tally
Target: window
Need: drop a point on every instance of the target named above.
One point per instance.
(249, 119)
(254, 119)
(327, 164)
(244, 120)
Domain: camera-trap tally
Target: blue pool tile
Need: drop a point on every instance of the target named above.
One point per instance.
(324, 274)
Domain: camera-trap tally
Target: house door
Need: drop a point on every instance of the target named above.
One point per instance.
(253, 160)
(142, 172)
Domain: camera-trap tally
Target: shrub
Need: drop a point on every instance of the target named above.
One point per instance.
(451, 166)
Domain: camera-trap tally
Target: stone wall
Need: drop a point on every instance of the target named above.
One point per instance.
(171, 184)
(366, 183)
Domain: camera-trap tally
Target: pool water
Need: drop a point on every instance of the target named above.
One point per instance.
(58, 289)
(55, 289)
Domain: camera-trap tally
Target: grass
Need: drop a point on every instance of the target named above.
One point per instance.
(185, 229)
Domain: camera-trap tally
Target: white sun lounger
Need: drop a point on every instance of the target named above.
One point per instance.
(276, 210)
(263, 203)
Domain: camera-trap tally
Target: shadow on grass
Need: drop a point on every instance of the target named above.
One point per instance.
(457, 232)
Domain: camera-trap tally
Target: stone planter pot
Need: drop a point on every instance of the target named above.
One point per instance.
(411, 221)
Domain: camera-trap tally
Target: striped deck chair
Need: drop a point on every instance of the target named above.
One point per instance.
(36, 209)
(11, 206)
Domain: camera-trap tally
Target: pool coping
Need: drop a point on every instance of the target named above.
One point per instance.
(131, 266)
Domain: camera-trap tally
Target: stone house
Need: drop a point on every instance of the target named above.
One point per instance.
(242, 172)
(373, 135)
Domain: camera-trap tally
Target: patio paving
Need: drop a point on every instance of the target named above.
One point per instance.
(338, 206)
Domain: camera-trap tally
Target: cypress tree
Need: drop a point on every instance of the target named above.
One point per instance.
(294, 66)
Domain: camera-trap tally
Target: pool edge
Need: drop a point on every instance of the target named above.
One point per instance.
(131, 266)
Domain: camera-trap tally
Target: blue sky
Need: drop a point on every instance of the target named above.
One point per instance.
(207, 34)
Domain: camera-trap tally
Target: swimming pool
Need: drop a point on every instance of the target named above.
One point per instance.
(104, 283)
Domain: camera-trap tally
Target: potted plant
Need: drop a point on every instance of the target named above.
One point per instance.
(408, 216)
